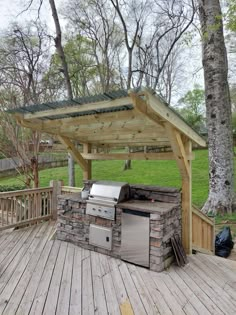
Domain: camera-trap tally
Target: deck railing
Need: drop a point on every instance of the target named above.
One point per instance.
(203, 232)
(25, 206)
(29, 206)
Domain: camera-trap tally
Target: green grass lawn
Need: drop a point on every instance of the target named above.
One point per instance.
(161, 173)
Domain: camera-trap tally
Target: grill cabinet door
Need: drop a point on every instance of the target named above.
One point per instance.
(100, 236)
(135, 237)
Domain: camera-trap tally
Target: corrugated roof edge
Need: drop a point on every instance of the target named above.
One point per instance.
(91, 112)
(74, 102)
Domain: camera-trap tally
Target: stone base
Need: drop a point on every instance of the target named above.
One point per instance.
(73, 226)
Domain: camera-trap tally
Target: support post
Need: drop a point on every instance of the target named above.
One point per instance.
(187, 204)
(181, 151)
(87, 173)
(56, 190)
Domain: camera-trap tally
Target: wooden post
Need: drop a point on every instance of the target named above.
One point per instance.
(182, 150)
(87, 174)
(56, 190)
(187, 204)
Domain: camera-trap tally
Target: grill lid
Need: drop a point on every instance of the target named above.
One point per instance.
(109, 190)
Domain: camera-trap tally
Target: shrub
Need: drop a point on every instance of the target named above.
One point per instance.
(12, 187)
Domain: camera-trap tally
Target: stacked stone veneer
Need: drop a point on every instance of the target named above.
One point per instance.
(73, 223)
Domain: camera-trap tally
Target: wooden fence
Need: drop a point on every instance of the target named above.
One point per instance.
(203, 232)
(11, 166)
(13, 163)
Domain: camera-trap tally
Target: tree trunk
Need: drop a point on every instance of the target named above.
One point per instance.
(35, 171)
(60, 51)
(127, 163)
(218, 109)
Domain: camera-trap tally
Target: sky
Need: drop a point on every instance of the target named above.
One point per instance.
(12, 11)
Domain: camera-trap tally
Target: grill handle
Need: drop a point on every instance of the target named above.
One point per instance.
(101, 198)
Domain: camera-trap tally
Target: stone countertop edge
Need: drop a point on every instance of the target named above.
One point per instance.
(147, 206)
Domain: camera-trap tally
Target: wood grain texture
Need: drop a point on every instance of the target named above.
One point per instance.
(42, 276)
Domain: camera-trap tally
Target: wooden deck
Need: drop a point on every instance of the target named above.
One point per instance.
(43, 276)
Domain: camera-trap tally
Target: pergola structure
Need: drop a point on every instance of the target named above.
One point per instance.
(120, 119)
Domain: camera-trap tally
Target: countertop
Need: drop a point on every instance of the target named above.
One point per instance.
(147, 206)
(132, 204)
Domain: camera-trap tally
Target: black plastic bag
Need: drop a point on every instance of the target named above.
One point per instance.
(224, 243)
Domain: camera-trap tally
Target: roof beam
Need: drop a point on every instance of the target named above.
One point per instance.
(80, 108)
(123, 143)
(108, 127)
(141, 106)
(132, 156)
(149, 137)
(128, 115)
(168, 115)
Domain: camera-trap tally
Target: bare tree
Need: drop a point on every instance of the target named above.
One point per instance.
(60, 51)
(158, 39)
(151, 31)
(218, 109)
(104, 35)
(137, 13)
(171, 74)
(23, 53)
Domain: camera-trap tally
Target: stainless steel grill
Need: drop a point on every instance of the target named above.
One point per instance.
(104, 196)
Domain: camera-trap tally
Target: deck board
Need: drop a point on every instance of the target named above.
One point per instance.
(54, 288)
(76, 285)
(98, 286)
(25, 275)
(87, 295)
(42, 290)
(63, 303)
(40, 275)
(43, 249)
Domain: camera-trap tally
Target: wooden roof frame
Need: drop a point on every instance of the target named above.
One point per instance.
(134, 119)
